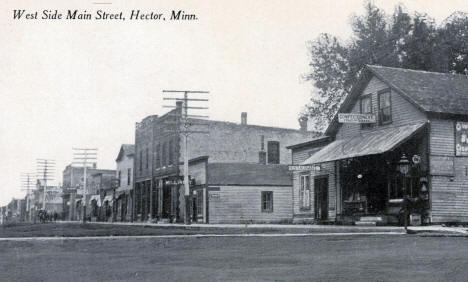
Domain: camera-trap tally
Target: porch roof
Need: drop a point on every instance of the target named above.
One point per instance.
(372, 143)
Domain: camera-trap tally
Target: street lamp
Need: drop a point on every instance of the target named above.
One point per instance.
(403, 167)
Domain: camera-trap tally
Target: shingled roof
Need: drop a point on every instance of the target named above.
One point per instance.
(127, 149)
(431, 91)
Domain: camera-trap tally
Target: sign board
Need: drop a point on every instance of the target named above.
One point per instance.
(302, 167)
(461, 138)
(214, 195)
(356, 118)
(442, 165)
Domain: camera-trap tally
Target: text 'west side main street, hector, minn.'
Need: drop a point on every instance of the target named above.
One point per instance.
(135, 15)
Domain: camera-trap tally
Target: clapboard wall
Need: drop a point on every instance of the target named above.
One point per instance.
(403, 112)
(449, 187)
(327, 169)
(242, 204)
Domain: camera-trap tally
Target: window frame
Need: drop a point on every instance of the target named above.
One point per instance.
(269, 144)
(266, 201)
(379, 95)
(129, 175)
(361, 99)
(147, 158)
(302, 191)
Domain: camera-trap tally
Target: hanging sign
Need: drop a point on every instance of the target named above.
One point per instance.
(356, 118)
(461, 138)
(304, 167)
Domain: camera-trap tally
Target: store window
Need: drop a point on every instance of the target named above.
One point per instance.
(304, 193)
(273, 152)
(366, 108)
(267, 201)
(385, 107)
(163, 152)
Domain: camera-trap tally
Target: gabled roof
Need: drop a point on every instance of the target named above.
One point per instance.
(430, 92)
(127, 150)
(248, 174)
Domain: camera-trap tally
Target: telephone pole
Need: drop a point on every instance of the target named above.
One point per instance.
(184, 122)
(27, 184)
(83, 157)
(45, 172)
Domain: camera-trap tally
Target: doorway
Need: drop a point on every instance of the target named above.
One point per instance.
(321, 198)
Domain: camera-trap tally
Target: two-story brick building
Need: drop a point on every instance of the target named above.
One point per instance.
(417, 148)
(159, 160)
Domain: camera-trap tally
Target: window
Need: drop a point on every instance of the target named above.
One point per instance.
(304, 192)
(385, 107)
(141, 161)
(120, 177)
(147, 158)
(273, 152)
(366, 108)
(171, 153)
(129, 176)
(267, 201)
(163, 152)
(158, 155)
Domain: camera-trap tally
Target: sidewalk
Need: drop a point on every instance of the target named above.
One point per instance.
(311, 228)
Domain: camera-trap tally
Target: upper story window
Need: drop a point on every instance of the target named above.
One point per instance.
(273, 152)
(120, 177)
(267, 201)
(141, 160)
(385, 107)
(147, 158)
(129, 176)
(163, 152)
(366, 108)
(171, 152)
(158, 155)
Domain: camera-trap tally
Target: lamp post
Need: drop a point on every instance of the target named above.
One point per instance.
(403, 167)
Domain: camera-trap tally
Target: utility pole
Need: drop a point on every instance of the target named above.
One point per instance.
(83, 156)
(184, 122)
(27, 183)
(45, 171)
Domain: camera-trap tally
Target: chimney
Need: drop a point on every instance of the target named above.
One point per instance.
(244, 118)
(94, 165)
(179, 104)
(303, 123)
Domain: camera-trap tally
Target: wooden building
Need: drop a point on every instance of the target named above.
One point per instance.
(124, 176)
(240, 192)
(416, 149)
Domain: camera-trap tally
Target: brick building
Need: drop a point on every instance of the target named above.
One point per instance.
(412, 149)
(158, 165)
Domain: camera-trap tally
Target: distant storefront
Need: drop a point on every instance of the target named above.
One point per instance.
(409, 148)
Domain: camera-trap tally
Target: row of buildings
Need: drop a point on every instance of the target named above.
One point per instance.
(400, 136)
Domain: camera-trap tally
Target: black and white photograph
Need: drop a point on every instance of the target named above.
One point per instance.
(224, 140)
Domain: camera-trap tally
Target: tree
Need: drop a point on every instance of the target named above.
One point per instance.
(401, 40)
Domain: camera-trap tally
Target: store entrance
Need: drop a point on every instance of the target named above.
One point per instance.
(321, 198)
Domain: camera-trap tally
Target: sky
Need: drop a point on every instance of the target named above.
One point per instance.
(67, 84)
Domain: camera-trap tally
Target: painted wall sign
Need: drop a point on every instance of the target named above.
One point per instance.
(356, 118)
(461, 138)
(442, 165)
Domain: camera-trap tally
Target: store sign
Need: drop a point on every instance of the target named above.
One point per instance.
(442, 165)
(461, 138)
(356, 118)
(214, 195)
(303, 167)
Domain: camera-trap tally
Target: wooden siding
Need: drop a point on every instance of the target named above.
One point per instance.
(327, 169)
(242, 204)
(300, 155)
(403, 112)
(449, 194)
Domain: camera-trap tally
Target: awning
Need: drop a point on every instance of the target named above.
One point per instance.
(97, 198)
(372, 143)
